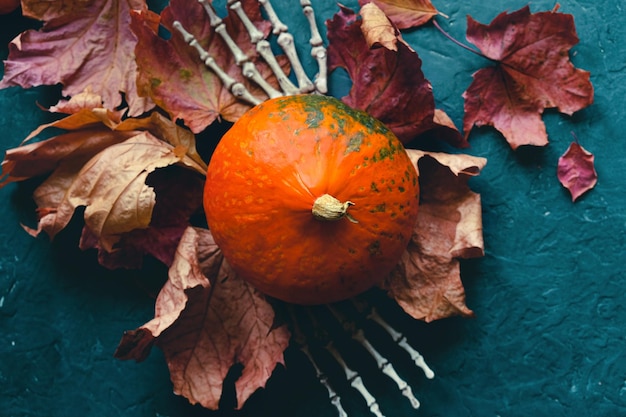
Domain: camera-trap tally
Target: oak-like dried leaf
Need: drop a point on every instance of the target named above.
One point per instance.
(426, 283)
(173, 75)
(406, 14)
(178, 194)
(80, 45)
(389, 85)
(576, 170)
(68, 151)
(206, 321)
(532, 72)
(111, 186)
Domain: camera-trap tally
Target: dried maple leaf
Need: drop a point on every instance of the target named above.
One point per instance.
(576, 170)
(426, 283)
(388, 85)
(81, 45)
(532, 72)
(206, 321)
(406, 14)
(173, 75)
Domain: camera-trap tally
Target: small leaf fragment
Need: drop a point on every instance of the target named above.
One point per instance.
(576, 170)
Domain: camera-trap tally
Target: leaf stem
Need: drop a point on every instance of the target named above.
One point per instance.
(462, 45)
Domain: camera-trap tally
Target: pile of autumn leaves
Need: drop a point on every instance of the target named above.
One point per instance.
(139, 177)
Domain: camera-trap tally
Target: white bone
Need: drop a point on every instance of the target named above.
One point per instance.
(277, 25)
(255, 34)
(355, 381)
(401, 340)
(265, 50)
(285, 40)
(235, 87)
(387, 368)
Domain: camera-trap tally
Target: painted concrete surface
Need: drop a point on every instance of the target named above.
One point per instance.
(549, 337)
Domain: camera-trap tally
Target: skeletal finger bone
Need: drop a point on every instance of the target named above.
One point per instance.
(300, 339)
(387, 368)
(383, 363)
(355, 381)
(235, 87)
(286, 42)
(401, 340)
(249, 70)
(318, 51)
(255, 34)
(264, 49)
(277, 25)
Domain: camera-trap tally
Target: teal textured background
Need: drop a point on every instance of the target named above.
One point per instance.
(549, 337)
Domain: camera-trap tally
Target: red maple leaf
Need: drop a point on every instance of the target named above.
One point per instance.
(576, 170)
(80, 45)
(532, 72)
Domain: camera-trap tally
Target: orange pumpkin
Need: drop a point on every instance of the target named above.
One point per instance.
(8, 6)
(310, 200)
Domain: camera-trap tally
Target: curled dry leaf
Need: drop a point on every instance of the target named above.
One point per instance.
(426, 283)
(388, 85)
(85, 100)
(111, 186)
(147, 209)
(533, 72)
(576, 170)
(81, 45)
(178, 194)
(406, 14)
(173, 75)
(377, 28)
(206, 321)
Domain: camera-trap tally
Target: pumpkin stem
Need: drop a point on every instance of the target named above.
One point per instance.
(328, 208)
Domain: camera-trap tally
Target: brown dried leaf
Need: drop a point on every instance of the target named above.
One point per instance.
(112, 187)
(576, 170)
(406, 14)
(377, 28)
(166, 130)
(68, 151)
(178, 196)
(426, 282)
(206, 321)
(85, 100)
